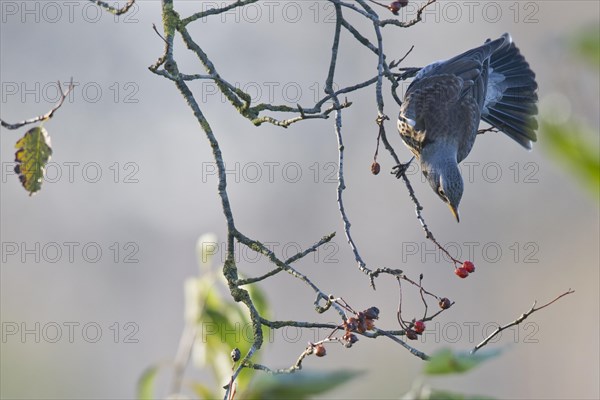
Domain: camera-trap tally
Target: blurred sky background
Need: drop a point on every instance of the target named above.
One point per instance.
(156, 195)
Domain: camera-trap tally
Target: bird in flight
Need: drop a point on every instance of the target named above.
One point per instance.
(444, 104)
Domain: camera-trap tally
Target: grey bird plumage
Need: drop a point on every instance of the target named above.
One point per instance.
(446, 101)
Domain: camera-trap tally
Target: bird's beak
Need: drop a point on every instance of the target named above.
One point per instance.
(454, 211)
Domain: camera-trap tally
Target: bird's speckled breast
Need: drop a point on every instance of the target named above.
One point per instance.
(412, 138)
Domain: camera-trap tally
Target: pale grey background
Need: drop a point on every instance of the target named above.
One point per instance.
(173, 203)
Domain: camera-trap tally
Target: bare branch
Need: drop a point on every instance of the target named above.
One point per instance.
(48, 115)
(410, 23)
(262, 249)
(303, 115)
(114, 10)
(216, 11)
(401, 342)
(295, 257)
(297, 365)
(521, 318)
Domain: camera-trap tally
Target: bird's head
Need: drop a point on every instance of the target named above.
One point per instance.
(444, 178)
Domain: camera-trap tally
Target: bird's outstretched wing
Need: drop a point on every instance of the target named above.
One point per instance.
(471, 66)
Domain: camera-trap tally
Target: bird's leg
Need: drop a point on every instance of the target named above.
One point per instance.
(400, 169)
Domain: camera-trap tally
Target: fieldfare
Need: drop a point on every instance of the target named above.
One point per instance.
(439, 117)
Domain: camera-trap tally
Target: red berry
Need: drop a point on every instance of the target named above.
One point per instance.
(419, 327)
(395, 6)
(320, 350)
(461, 272)
(469, 266)
(445, 303)
(412, 335)
(375, 168)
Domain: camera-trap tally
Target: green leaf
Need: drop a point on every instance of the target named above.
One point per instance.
(145, 387)
(447, 362)
(33, 153)
(572, 144)
(299, 385)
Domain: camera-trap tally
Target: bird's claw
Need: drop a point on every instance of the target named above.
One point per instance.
(400, 169)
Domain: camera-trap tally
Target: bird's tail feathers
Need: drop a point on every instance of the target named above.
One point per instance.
(511, 96)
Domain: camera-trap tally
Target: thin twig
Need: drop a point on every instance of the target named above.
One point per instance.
(295, 257)
(297, 365)
(411, 349)
(114, 10)
(48, 115)
(262, 249)
(216, 11)
(394, 64)
(410, 23)
(159, 35)
(521, 318)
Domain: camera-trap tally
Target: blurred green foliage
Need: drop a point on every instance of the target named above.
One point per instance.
(586, 43)
(221, 325)
(445, 361)
(299, 385)
(217, 324)
(573, 142)
(448, 362)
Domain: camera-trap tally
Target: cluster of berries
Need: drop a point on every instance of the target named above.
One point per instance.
(418, 327)
(362, 322)
(463, 271)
